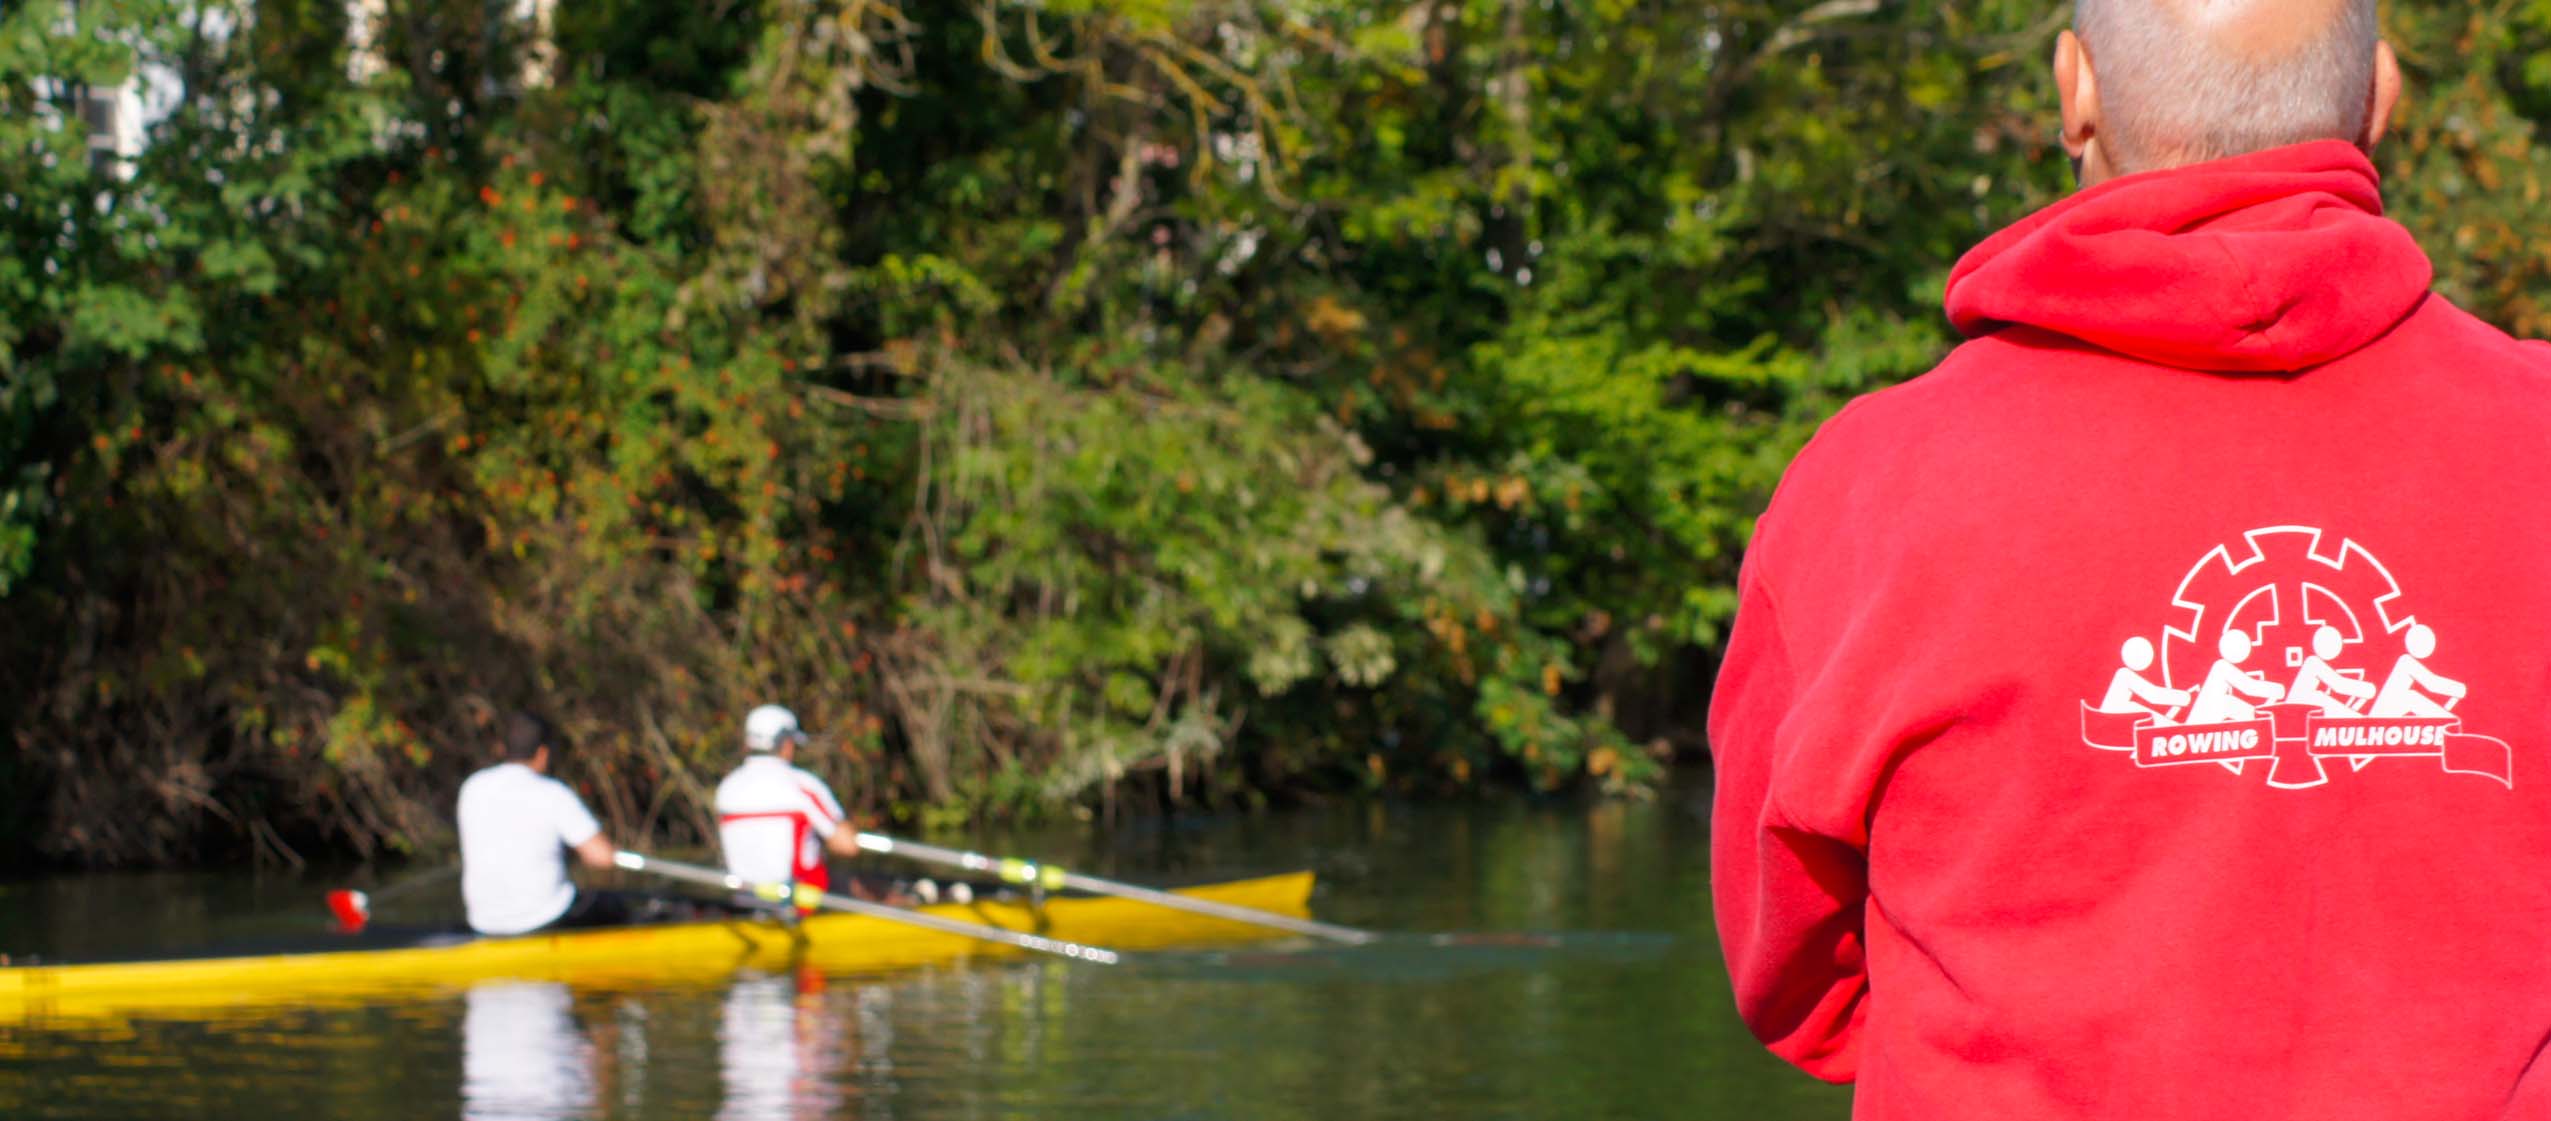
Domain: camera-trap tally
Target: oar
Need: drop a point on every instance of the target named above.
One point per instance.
(1052, 877)
(810, 897)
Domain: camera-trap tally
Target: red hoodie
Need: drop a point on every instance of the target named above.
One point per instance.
(2147, 713)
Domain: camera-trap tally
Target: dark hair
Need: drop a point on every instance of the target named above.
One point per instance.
(526, 734)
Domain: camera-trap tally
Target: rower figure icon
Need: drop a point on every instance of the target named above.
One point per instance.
(2406, 691)
(2319, 685)
(2129, 691)
(2225, 696)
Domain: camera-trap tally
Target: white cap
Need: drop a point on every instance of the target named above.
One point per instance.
(769, 726)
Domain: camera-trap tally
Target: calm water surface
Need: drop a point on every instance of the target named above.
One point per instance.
(1603, 1024)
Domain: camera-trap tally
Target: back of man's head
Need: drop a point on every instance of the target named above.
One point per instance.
(2185, 81)
(525, 734)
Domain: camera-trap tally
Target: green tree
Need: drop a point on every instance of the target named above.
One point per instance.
(1065, 403)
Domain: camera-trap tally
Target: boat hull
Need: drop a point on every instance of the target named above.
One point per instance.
(212, 987)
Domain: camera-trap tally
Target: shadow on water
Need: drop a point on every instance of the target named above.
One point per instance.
(1586, 984)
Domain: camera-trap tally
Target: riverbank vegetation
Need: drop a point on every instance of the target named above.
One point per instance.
(1062, 405)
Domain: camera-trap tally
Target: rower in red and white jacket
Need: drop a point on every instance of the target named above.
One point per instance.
(776, 822)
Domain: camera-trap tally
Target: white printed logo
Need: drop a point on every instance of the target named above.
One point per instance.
(2330, 625)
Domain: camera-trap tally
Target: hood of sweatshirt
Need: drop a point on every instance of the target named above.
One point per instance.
(2272, 262)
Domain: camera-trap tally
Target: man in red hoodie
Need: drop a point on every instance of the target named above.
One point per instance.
(2210, 416)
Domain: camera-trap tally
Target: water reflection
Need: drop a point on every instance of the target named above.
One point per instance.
(778, 1048)
(784, 1044)
(522, 1056)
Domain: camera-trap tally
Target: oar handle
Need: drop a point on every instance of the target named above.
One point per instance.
(1052, 877)
(805, 896)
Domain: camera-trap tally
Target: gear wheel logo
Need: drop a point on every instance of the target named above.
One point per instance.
(2290, 652)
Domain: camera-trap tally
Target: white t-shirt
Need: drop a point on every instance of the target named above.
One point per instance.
(516, 827)
(772, 822)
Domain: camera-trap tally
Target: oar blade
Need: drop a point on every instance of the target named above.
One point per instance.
(352, 910)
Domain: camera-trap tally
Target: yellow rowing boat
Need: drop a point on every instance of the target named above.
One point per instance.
(207, 987)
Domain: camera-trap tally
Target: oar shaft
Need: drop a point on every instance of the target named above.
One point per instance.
(1231, 911)
(1052, 877)
(710, 877)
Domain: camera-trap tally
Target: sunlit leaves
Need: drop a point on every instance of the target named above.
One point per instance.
(1068, 401)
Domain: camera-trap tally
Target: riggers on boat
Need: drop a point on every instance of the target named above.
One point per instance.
(351, 969)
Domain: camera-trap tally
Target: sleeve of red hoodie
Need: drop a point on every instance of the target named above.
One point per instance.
(1789, 866)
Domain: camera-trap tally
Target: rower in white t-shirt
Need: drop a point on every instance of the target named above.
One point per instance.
(776, 822)
(517, 824)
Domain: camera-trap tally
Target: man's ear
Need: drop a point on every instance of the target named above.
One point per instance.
(2077, 86)
(2386, 95)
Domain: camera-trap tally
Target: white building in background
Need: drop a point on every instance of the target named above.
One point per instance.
(116, 118)
(119, 120)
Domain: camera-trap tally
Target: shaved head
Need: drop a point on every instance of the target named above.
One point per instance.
(2184, 81)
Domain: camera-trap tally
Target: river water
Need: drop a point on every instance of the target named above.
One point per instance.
(1624, 1015)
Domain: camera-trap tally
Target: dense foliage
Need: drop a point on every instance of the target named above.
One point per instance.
(1057, 402)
